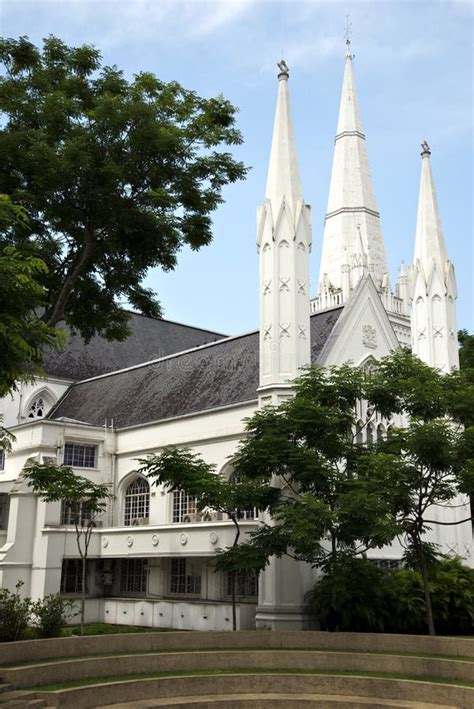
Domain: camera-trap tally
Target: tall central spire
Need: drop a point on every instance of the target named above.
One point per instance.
(352, 212)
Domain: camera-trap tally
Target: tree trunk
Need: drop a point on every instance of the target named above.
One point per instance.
(83, 593)
(426, 588)
(233, 577)
(56, 312)
(234, 602)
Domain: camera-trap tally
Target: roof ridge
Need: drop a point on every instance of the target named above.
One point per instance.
(174, 322)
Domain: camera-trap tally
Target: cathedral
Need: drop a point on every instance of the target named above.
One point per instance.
(103, 405)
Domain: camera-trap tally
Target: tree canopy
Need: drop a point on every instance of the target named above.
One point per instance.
(114, 176)
(22, 334)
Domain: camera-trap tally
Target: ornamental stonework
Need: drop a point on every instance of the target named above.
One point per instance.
(369, 336)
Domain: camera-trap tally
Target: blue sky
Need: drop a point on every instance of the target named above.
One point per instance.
(414, 74)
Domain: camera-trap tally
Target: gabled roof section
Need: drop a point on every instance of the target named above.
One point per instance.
(150, 339)
(208, 377)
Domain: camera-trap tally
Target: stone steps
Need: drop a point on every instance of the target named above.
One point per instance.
(70, 670)
(279, 701)
(21, 698)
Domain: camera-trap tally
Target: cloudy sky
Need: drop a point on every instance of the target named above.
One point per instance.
(414, 72)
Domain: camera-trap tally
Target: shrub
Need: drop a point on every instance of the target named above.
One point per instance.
(14, 614)
(50, 614)
(350, 596)
(354, 595)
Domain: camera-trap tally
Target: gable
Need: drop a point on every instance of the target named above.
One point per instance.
(363, 330)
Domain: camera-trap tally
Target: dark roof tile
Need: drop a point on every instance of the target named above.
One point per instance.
(205, 378)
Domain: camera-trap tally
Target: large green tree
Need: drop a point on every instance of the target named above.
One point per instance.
(22, 334)
(115, 176)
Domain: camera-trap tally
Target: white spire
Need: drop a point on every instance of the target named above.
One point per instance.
(351, 196)
(433, 282)
(284, 245)
(429, 240)
(283, 178)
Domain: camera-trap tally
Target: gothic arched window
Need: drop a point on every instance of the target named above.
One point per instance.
(37, 408)
(137, 502)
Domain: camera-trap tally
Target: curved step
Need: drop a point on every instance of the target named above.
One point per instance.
(64, 671)
(197, 686)
(280, 701)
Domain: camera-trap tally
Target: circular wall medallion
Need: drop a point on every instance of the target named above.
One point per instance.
(155, 540)
(105, 542)
(130, 541)
(213, 538)
(183, 539)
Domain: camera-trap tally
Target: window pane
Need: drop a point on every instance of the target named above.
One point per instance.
(79, 456)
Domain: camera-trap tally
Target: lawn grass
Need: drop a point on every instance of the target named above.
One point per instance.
(252, 671)
(109, 629)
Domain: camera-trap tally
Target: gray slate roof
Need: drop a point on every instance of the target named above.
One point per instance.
(217, 375)
(150, 339)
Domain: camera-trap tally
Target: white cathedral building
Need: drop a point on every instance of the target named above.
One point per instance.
(103, 405)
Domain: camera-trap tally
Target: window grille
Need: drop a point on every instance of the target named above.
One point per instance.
(137, 501)
(77, 511)
(79, 456)
(183, 505)
(37, 409)
(71, 576)
(133, 575)
(2, 459)
(180, 581)
(246, 585)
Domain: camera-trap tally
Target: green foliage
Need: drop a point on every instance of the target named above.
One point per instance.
(59, 483)
(350, 596)
(114, 176)
(14, 614)
(466, 350)
(50, 614)
(22, 335)
(354, 595)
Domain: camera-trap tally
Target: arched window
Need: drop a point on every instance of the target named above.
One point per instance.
(370, 433)
(380, 432)
(37, 408)
(137, 502)
(359, 439)
(39, 405)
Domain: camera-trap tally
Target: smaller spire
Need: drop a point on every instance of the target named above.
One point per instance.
(283, 180)
(429, 240)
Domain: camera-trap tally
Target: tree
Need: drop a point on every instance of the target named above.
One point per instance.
(180, 469)
(426, 464)
(22, 335)
(466, 350)
(115, 177)
(328, 508)
(83, 499)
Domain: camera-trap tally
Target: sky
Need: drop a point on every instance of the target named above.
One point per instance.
(414, 75)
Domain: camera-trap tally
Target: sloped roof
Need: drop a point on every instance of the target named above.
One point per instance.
(150, 339)
(204, 378)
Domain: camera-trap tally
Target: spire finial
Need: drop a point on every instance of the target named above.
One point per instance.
(426, 150)
(284, 70)
(348, 35)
